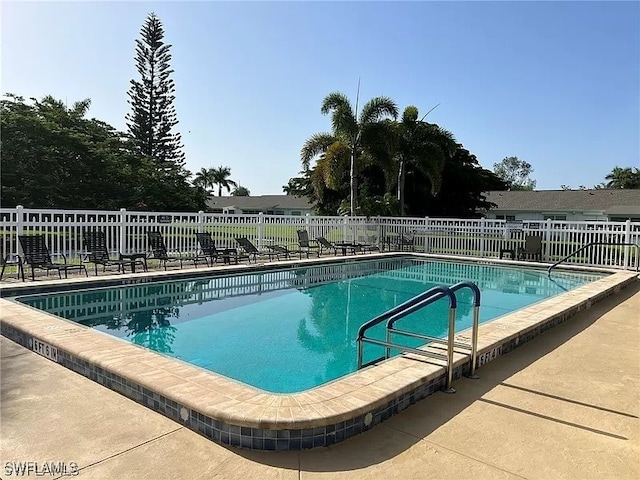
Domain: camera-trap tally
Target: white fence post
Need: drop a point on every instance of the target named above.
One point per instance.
(627, 248)
(123, 231)
(200, 221)
(260, 230)
(483, 234)
(547, 236)
(425, 237)
(19, 226)
(344, 229)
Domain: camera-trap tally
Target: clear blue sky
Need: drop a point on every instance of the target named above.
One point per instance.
(554, 83)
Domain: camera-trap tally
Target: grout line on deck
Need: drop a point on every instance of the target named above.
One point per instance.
(553, 419)
(131, 448)
(564, 399)
(14, 355)
(475, 459)
(423, 439)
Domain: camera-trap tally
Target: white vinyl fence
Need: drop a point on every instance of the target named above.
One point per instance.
(126, 233)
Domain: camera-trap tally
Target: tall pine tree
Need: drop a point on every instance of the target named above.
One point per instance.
(152, 118)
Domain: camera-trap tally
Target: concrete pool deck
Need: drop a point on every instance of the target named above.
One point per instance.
(564, 405)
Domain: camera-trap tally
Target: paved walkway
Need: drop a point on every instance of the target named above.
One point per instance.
(566, 405)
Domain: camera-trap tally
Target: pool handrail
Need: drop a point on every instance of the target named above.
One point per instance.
(412, 301)
(473, 346)
(476, 321)
(423, 299)
(591, 244)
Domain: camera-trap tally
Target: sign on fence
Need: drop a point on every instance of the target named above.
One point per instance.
(513, 225)
(165, 218)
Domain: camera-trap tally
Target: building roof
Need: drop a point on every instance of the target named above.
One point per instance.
(261, 202)
(623, 210)
(566, 200)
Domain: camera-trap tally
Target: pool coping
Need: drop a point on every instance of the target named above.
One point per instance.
(230, 412)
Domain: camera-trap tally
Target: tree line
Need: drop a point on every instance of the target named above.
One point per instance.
(378, 162)
(55, 157)
(373, 161)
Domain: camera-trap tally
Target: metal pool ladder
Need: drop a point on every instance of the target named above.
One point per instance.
(414, 304)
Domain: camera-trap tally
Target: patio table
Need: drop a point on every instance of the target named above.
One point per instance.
(344, 246)
(133, 258)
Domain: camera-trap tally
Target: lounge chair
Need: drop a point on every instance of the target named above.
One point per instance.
(159, 251)
(36, 254)
(326, 244)
(532, 248)
(95, 244)
(7, 261)
(250, 250)
(305, 244)
(286, 252)
(211, 254)
(406, 242)
(344, 247)
(280, 251)
(369, 247)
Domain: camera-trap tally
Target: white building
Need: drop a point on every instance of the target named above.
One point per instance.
(570, 205)
(267, 204)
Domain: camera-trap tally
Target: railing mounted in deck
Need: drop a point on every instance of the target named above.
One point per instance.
(413, 305)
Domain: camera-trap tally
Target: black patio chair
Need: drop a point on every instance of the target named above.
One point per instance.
(326, 244)
(532, 248)
(36, 255)
(211, 254)
(406, 242)
(369, 247)
(306, 245)
(251, 251)
(95, 244)
(343, 247)
(280, 251)
(286, 252)
(7, 261)
(159, 251)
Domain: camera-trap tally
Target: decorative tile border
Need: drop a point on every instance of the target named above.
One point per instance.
(235, 435)
(231, 413)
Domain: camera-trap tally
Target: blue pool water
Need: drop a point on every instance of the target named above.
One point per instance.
(290, 330)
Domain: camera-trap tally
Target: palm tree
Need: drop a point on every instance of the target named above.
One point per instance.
(624, 178)
(348, 129)
(220, 177)
(240, 191)
(425, 146)
(204, 179)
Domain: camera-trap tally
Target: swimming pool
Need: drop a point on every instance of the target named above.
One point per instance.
(291, 330)
(237, 414)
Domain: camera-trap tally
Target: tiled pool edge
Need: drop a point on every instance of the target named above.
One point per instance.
(405, 382)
